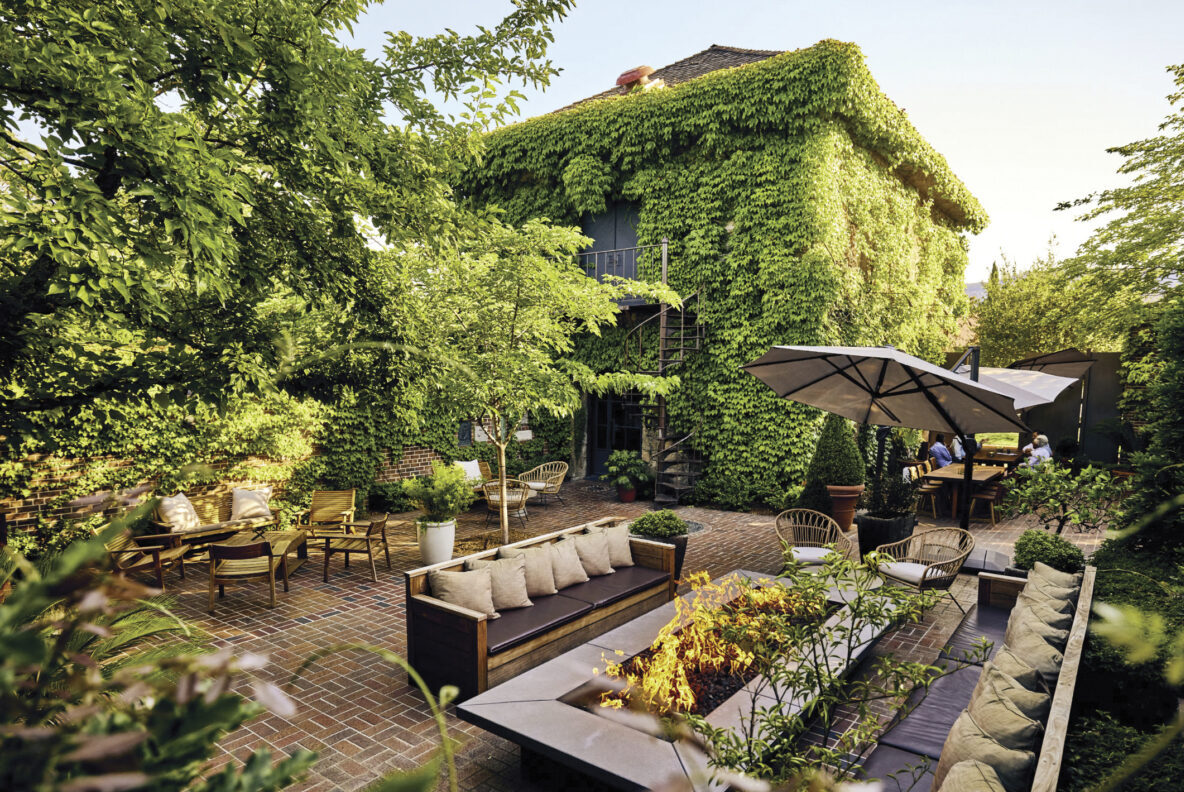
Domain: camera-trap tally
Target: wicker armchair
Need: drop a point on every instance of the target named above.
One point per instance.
(927, 559)
(516, 495)
(233, 563)
(807, 536)
(128, 555)
(328, 507)
(546, 479)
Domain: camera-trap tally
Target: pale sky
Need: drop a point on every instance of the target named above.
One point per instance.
(1021, 98)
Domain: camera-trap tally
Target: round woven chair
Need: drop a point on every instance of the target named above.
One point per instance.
(928, 559)
(808, 537)
(546, 479)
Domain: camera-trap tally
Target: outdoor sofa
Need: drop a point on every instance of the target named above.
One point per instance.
(214, 512)
(449, 644)
(910, 752)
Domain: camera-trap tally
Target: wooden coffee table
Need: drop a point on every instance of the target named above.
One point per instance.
(283, 543)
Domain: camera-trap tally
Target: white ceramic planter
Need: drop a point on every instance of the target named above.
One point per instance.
(435, 541)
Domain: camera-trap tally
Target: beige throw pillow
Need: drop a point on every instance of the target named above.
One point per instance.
(565, 564)
(973, 776)
(1023, 615)
(592, 548)
(1062, 606)
(508, 577)
(967, 741)
(1033, 649)
(540, 574)
(1014, 666)
(619, 552)
(999, 717)
(1055, 576)
(1033, 704)
(247, 504)
(1044, 610)
(472, 590)
(1042, 589)
(178, 512)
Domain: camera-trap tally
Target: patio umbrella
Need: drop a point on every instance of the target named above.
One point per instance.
(883, 386)
(1027, 387)
(1066, 363)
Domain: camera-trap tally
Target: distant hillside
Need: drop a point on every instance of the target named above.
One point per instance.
(976, 290)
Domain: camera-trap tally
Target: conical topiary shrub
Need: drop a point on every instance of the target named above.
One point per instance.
(836, 462)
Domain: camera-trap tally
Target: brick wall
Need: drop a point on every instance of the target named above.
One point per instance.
(414, 461)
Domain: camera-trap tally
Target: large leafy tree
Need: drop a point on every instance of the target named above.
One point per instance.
(1138, 254)
(502, 311)
(1034, 311)
(168, 168)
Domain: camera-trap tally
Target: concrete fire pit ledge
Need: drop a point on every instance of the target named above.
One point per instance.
(529, 710)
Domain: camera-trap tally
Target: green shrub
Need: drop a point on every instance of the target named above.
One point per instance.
(661, 524)
(836, 461)
(1036, 545)
(1097, 743)
(442, 495)
(390, 498)
(626, 469)
(50, 538)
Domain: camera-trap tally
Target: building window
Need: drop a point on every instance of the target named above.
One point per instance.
(464, 434)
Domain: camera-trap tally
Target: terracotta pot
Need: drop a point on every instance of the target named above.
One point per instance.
(626, 494)
(843, 501)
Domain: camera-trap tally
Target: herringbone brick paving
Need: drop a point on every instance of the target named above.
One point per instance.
(358, 712)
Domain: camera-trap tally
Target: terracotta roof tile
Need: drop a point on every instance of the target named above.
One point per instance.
(713, 58)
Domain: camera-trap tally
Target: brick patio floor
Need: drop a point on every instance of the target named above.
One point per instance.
(358, 712)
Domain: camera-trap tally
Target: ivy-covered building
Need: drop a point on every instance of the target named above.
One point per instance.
(801, 207)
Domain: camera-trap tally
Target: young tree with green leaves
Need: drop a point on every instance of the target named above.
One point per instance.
(503, 310)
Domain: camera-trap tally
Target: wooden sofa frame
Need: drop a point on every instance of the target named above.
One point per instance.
(213, 510)
(447, 644)
(1002, 591)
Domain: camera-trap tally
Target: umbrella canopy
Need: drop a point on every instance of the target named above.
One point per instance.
(1066, 363)
(882, 386)
(1027, 387)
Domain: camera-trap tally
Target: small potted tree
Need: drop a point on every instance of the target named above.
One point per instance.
(626, 469)
(664, 526)
(834, 480)
(442, 495)
(891, 510)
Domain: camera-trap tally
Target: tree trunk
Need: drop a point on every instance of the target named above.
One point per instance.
(501, 480)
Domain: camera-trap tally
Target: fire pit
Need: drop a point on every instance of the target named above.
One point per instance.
(555, 709)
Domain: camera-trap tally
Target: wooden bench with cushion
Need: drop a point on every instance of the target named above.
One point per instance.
(907, 754)
(452, 645)
(214, 511)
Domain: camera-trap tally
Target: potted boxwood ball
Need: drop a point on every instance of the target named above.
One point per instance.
(891, 510)
(834, 480)
(664, 526)
(626, 469)
(442, 495)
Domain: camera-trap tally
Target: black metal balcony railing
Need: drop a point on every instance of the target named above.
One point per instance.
(622, 262)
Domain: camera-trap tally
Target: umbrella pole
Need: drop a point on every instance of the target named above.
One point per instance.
(969, 449)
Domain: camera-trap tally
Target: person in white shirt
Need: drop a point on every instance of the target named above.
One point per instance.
(1038, 450)
(956, 449)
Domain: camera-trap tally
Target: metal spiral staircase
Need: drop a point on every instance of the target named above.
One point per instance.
(679, 335)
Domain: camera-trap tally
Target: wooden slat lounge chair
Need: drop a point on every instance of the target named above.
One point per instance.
(232, 563)
(328, 507)
(366, 544)
(129, 555)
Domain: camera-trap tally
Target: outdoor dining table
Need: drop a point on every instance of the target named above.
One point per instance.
(952, 474)
(1008, 458)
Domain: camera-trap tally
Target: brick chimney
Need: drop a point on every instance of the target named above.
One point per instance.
(634, 78)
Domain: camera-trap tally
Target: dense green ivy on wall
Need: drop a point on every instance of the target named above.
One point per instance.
(800, 204)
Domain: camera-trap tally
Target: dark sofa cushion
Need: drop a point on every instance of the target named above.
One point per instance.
(885, 761)
(521, 624)
(603, 589)
(982, 621)
(924, 730)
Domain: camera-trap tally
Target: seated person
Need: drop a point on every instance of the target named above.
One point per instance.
(956, 449)
(1038, 451)
(940, 453)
